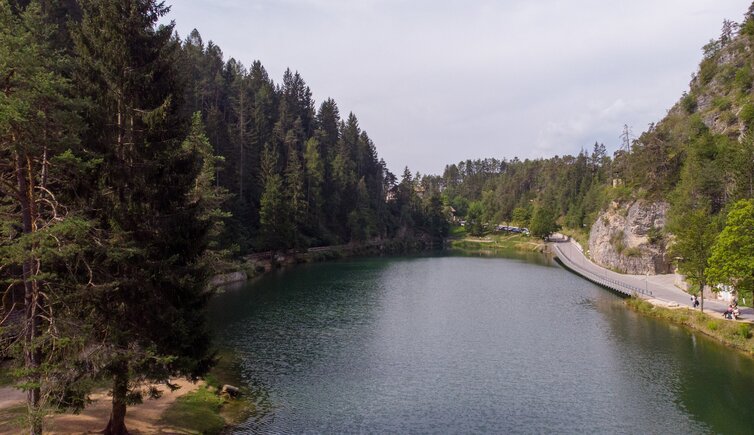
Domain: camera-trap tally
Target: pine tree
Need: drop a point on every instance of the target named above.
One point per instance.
(148, 299)
(296, 196)
(274, 218)
(40, 237)
(315, 177)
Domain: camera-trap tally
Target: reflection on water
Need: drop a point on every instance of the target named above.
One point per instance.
(452, 344)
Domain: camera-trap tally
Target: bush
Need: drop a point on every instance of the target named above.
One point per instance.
(743, 79)
(728, 118)
(654, 235)
(707, 70)
(727, 76)
(744, 330)
(713, 325)
(616, 239)
(747, 114)
(688, 103)
(721, 103)
(632, 252)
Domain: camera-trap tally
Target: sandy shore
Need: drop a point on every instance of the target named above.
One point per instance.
(140, 419)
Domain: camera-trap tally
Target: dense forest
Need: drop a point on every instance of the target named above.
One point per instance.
(133, 165)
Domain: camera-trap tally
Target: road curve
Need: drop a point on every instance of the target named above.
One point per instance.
(658, 287)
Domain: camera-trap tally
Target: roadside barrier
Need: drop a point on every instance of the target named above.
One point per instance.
(599, 279)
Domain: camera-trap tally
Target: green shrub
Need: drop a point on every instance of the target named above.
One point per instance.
(728, 118)
(721, 103)
(654, 235)
(747, 28)
(713, 325)
(632, 252)
(707, 70)
(744, 330)
(727, 76)
(747, 114)
(743, 79)
(616, 239)
(688, 103)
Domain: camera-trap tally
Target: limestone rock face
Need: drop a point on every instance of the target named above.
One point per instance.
(228, 278)
(627, 238)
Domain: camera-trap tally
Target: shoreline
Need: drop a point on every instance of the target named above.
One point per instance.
(666, 304)
(258, 264)
(735, 334)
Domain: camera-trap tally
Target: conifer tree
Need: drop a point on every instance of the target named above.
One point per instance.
(40, 237)
(296, 196)
(315, 177)
(274, 218)
(148, 300)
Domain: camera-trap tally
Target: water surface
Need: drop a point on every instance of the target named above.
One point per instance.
(471, 345)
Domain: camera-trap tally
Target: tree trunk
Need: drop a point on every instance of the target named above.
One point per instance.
(117, 423)
(32, 355)
(701, 302)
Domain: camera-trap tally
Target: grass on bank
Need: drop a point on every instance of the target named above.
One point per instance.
(205, 411)
(196, 412)
(460, 240)
(735, 334)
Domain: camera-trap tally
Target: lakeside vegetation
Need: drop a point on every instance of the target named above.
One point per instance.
(460, 240)
(737, 335)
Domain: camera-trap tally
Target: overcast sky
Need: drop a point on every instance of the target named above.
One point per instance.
(438, 81)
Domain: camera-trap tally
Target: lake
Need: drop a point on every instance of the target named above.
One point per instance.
(463, 344)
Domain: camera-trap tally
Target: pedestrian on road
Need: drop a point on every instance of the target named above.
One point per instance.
(695, 302)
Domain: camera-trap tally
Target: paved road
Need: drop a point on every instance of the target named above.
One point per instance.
(660, 287)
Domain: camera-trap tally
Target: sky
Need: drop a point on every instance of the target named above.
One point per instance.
(434, 82)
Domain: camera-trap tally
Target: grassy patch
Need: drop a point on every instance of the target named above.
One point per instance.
(204, 411)
(196, 412)
(457, 232)
(501, 242)
(632, 252)
(734, 334)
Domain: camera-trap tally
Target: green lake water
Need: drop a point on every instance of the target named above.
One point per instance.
(463, 344)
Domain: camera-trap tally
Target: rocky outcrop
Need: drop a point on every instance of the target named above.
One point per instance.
(627, 237)
(225, 279)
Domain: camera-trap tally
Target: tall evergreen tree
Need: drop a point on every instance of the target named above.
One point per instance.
(315, 178)
(274, 218)
(39, 237)
(148, 302)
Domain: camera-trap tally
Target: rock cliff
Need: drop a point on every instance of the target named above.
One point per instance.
(628, 238)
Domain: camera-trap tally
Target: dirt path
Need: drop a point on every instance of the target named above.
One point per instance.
(140, 419)
(10, 397)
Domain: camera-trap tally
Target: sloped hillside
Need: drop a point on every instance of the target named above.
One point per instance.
(700, 157)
